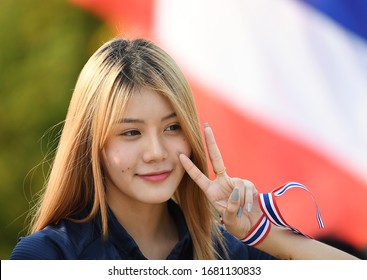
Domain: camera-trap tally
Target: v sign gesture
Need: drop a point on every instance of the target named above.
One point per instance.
(236, 201)
(233, 198)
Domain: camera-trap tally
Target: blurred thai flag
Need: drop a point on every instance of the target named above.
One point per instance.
(284, 86)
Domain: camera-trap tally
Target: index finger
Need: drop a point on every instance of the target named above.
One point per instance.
(195, 173)
(213, 151)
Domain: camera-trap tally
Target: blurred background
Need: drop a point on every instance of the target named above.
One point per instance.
(282, 83)
(44, 44)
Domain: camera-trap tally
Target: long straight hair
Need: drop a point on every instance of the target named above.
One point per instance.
(103, 89)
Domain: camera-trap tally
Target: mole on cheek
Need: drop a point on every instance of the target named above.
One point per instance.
(124, 170)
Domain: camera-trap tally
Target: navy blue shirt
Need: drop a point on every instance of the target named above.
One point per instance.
(71, 241)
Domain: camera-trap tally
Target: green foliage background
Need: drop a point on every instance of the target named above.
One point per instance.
(44, 44)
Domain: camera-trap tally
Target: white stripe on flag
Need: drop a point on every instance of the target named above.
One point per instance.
(280, 61)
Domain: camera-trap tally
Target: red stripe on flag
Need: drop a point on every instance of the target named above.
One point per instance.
(127, 17)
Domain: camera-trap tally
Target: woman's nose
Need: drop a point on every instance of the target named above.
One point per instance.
(155, 149)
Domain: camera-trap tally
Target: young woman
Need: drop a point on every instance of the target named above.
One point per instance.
(130, 176)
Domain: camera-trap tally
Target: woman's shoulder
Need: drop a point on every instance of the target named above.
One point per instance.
(65, 240)
(237, 250)
(41, 245)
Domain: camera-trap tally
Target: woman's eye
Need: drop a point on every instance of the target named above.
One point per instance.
(173, 127)
(131, 133)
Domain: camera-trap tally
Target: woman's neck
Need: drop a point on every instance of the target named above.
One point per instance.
(150, 225)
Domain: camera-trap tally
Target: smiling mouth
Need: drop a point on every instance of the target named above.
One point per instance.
(156, 177)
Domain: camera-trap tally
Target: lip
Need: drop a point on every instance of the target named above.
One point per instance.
(155, 176)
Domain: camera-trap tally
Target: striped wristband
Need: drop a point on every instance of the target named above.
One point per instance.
(258, 232)
(272, 215)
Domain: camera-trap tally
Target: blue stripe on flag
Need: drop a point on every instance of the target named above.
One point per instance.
(352, 15)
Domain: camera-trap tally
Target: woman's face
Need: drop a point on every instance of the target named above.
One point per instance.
(140, 158)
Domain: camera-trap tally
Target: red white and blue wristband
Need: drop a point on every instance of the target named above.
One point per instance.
(272, 215)
(258, 232)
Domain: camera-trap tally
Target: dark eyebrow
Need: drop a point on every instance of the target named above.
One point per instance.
(132, 120)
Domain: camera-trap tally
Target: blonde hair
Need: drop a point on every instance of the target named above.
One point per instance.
(102, 91)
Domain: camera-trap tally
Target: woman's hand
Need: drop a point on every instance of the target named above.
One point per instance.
(235, 199)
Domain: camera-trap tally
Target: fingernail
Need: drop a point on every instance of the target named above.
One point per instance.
(234, 195)
(178, 153)
(206, 125)
(239, 212)
(248, 207)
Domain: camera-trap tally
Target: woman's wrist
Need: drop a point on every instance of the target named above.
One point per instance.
(270, 214)
(258, 233)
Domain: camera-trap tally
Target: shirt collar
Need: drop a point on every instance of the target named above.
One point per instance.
(129, 249)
